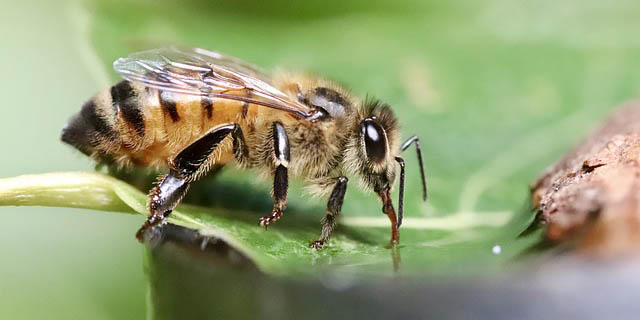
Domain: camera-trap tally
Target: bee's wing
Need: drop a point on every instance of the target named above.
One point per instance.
(206, 73)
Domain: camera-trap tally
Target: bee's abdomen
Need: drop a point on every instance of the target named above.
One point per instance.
(135, 125)
(124, 102)
(84, 129)
(94, 125)
(108, 122)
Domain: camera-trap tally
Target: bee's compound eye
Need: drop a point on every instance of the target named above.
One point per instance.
(375, 140)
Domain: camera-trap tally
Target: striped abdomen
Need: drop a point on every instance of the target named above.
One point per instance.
(135, 125)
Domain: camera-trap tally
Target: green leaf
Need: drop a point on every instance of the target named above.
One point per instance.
(492, 96)
(358, 247)
(496, 90)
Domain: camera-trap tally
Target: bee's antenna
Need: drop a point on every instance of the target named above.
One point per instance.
(406, 145)
(400, 192)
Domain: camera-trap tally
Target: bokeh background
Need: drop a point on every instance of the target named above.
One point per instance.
(497, 90)
(57, 263)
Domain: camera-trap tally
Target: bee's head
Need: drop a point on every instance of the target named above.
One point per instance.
(372, 150)
(373, 153)
(374, 145)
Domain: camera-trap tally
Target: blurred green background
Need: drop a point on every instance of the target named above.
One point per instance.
(57, 263)
(497, 90)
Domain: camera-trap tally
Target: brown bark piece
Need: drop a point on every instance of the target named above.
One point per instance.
(592, 195)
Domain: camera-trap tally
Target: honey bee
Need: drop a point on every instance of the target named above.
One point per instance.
(186, 110)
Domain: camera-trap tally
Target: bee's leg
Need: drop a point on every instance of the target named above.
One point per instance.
(240, 148)
(184, 169)
(281, 156)
(333, 209)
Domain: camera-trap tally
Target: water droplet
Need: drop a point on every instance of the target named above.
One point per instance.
(496, 249)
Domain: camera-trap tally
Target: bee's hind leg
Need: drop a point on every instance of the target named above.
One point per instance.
(184, 168)
(333, 209)
(281, 156)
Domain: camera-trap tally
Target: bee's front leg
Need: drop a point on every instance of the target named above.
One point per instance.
(333, 209)
(184, 169)
(281, 158)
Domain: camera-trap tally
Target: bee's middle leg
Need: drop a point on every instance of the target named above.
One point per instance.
(184, 169)
(333, 209)
(281, 157)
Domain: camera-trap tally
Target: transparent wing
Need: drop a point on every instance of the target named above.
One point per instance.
(206, 73)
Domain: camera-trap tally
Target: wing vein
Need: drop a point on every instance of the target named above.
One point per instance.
(201, 72)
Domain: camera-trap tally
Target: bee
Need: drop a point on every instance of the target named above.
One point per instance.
(186, 110)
